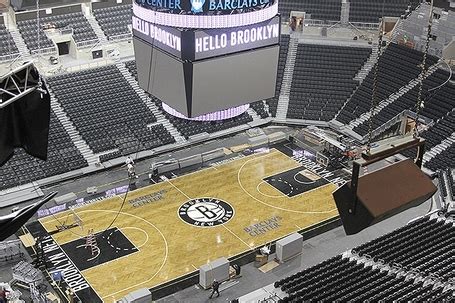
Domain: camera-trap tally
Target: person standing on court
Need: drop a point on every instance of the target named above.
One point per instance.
(3, 293)
(130, 168)
(215, 288)
(128, 160)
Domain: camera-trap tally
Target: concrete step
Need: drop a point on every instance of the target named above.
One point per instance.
(76, 138)
(97, 29)
(283, 100)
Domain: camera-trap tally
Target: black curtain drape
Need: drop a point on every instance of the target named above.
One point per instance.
(25, 122)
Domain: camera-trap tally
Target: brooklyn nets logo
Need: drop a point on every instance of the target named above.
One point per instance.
(206, 212)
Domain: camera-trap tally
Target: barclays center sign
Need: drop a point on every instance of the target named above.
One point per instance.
(209, 7)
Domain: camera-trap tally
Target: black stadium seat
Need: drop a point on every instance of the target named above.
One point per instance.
(7, 45)
(318, 9)
(63, 156)
(372, 10)
(323, 80)
(114, 21)
(396, 67)
(425, 245)
(438, 104)
(82, 30)
(107, 112)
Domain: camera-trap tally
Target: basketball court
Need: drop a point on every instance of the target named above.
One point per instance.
(169, 229)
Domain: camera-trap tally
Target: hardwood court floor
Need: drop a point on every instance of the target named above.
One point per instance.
(169, 247)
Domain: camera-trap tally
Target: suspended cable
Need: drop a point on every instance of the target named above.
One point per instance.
(130, 182)
(374, 92)
(420, 103)
(9, 35)
(131, 178)
(38, 25)
(138, 146)
(38, 28)
(445, 82)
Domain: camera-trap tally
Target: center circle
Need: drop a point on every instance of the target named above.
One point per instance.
(205, 212)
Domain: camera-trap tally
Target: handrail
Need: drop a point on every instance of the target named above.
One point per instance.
(44, 51)
(321, 23)
(397, 118)
(19, 56)
(66, 31)
(364, 25)
(121, 37)
(87, 43)
(90, 65)
(9, 57)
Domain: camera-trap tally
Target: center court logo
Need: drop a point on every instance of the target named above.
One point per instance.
(206, 212)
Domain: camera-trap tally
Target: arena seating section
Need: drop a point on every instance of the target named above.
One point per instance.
(112, 118)
(372, 10)
(107, 112)
(323, 80)
(114, 20)
(451, 178)
(5, 36)
(260, 109)
(82, 31)
(284, 47)
(63, 156)
(441, 184)
(424, 246)
(437, 102)
(439, 106)
(442, 129)
(446, 192)
(397, 66)
(319, 9)
(131, 66)
(442, 160)
(415, 246)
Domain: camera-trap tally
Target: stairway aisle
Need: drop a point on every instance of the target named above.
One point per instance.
(74, 134)
(283, 99)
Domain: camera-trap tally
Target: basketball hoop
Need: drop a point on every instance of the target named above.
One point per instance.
(77, 220)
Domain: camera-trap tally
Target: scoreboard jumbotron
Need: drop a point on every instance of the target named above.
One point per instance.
(207, 59)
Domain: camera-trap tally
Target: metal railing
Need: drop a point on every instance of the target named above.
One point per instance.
(66, 31)
(44, 51)
(320, 23)
(408, 113)
(92, 64)
(9, 57)
(87, 43)
(329, 23)
(121, 37)
(365, 25)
